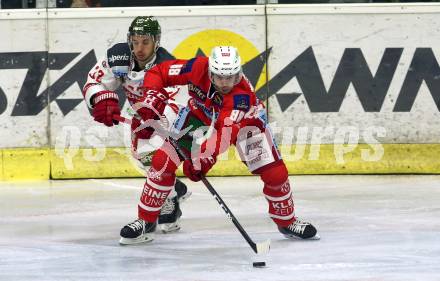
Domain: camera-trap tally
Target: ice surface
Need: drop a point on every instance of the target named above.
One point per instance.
(371, 227)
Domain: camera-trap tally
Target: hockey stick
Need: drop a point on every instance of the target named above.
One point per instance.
(122, 119)
(258, 248)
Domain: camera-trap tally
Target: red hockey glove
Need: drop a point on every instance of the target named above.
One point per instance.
(194, 171)
(105, 105)
(145, 133)
(153, 105)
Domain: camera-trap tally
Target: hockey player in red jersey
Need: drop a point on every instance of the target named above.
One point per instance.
(220, 97)
(125, 65)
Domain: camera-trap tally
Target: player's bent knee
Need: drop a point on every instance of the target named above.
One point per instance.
(275, 175)
(162, 162)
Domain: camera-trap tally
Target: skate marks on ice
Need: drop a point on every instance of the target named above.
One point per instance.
(372, 228)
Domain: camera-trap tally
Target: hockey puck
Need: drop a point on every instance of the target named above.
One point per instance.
(259, 264)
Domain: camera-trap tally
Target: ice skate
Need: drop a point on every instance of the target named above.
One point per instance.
(137, 232)
(182, 191)
(300, 229)
(171, 212)
(170, 215)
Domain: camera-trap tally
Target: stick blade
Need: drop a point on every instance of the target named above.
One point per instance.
(263, 247)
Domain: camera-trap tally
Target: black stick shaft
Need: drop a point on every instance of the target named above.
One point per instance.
(229, 213)
(220, 202)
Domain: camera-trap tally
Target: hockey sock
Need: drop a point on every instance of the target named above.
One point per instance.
(160, 181)
(279, 195)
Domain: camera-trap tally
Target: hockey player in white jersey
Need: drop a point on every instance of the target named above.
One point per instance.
(125, 65)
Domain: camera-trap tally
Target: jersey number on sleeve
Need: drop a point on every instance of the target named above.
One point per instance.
(175, 69)
(97, 75)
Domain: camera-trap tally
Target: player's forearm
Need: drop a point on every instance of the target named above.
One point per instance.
(99, 80)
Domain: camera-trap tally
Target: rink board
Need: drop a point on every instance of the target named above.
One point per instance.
(345, 73)
(322, 159)
(28, 164)
(23, 55)
(367, 66)
(25, 164)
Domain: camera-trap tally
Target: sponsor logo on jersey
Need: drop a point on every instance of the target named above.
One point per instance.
(206, 111)
(197, 91)
(114, 58)
(242, 102)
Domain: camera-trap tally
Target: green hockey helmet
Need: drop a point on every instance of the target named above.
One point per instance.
(145, 25)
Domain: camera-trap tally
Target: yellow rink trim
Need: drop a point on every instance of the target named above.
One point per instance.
(1, 166)
(93, 163)
(350, 159)
(25, 164)
(35, 164)
(396, 159)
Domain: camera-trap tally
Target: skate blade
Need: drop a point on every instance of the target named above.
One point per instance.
(316, 237)
(131, 241)
(169, 227)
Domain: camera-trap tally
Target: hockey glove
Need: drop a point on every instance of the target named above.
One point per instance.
(194, 171)
(153, 105)
(105, 105)
(141, 133)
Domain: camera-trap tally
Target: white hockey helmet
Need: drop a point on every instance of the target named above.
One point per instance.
(224, 61)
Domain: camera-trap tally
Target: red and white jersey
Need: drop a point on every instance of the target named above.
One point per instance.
(194, 73)
(237, 110)
(118, 68)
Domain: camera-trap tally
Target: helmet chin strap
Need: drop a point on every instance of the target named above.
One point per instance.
(156, 45)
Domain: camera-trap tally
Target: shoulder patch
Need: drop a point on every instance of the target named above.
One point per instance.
(242, 102)
(119, 55)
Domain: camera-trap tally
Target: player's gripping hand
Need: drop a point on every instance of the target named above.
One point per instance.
(105, 105)
(194, 169)
(142, 133)
(153, 105)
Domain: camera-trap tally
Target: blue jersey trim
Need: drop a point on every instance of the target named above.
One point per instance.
(188, 66)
